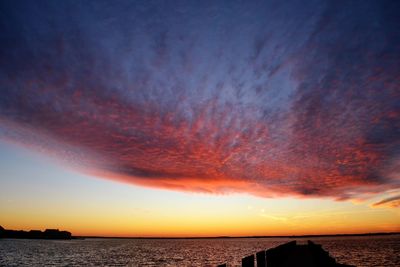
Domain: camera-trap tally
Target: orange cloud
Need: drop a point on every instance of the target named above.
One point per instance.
(393, 202)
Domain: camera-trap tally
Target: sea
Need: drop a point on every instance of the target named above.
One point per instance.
(356, 250)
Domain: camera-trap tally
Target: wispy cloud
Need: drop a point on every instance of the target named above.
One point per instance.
(393, 202)
(275, 218)
(269, 99)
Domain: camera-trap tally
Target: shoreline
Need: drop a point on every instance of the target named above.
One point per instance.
(242, 237)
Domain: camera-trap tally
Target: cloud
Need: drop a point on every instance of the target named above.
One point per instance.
(393, 202)
(271, 99)
(275, 218)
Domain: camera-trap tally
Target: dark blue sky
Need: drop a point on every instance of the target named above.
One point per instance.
(270, 97)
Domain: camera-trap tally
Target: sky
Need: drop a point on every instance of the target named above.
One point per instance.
(199, 118)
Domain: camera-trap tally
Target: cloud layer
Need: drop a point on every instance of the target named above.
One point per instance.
(393, 202)
(271, 99)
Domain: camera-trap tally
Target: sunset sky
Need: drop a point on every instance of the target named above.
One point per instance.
(200, 118)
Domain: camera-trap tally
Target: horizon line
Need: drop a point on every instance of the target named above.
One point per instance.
(227, 237)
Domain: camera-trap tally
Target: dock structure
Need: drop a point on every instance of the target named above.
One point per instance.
(292, 255)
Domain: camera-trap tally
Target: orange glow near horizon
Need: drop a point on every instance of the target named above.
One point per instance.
(170, 224)
(85, 205)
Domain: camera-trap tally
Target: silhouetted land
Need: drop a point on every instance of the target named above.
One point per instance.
(35, 234)
(56, 234)
(258, 236)
(290, 255)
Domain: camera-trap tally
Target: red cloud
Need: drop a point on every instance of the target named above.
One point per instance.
(286, 101)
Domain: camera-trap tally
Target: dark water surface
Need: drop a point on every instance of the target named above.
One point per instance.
(359, 251)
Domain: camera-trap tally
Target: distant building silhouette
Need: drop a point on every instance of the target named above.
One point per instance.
(35, 234)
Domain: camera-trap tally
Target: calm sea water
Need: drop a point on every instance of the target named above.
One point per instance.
(359, 251)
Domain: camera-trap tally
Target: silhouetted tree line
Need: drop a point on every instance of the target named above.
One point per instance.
(35, 234)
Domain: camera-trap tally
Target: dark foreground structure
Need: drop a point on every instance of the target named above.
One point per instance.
(292, 255)
(35, 234)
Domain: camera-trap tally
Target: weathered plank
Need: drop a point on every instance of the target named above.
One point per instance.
(248, 261)
(260, 256)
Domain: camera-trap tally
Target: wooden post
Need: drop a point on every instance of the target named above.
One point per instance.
(248, 261)
(261, 259)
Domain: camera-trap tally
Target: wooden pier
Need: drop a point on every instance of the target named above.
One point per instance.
(291, 255)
